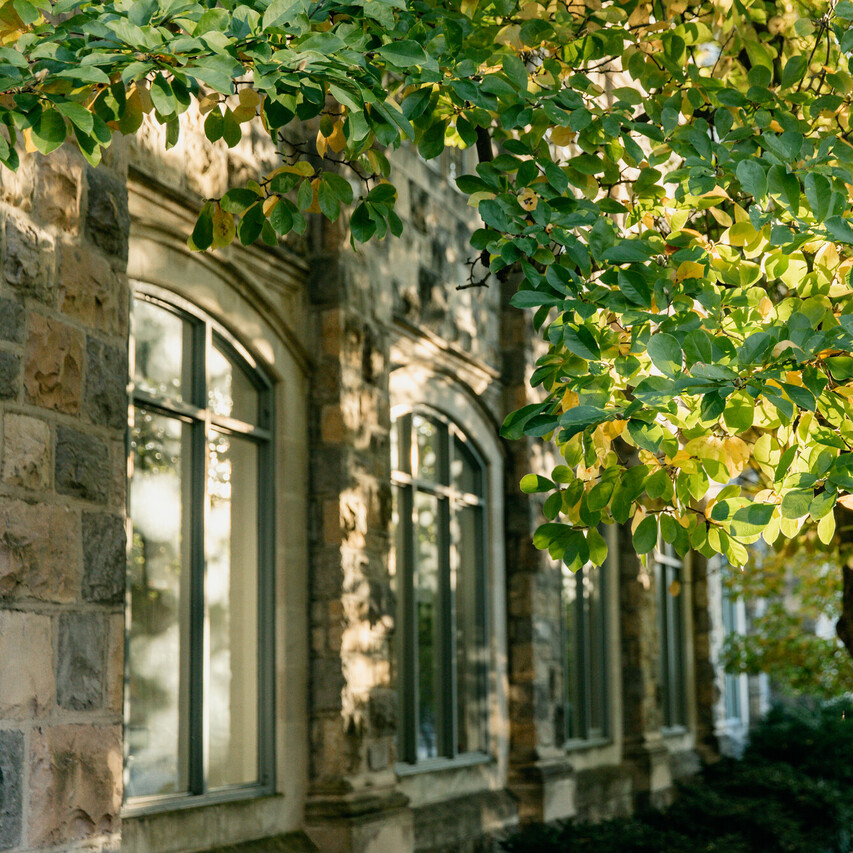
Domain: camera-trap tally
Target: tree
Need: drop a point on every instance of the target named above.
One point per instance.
(671, 178)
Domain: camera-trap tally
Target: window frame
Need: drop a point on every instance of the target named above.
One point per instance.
(406, 485)
(200, 331)
(672, 634)
(579, 679)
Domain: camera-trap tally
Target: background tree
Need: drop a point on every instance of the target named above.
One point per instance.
(672, 179)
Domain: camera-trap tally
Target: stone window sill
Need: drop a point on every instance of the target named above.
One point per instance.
(144, 807)
(434, 765)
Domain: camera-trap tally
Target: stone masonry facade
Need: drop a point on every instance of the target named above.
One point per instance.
(361, 319)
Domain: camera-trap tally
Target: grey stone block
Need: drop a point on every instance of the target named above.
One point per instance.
(107, 217)
(10, 371)
(11, 799)
(11, 321)
(82, 465)
(106, 384)
(104, 557)
(80, 661)
(27, 264)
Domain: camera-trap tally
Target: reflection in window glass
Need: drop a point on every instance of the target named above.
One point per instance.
(232, 606)
(426, 591)
(439, 580)
(198, 621)
(159, 351)
(230, 392)
(585, 653)
(158, 606)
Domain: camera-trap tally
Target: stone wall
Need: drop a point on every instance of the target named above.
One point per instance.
(63, 410)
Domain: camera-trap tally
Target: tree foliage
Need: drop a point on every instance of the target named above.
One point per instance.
(799, 588)
(672, 179)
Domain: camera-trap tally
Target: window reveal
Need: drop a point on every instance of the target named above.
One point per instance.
(440, 581)
(199, 580)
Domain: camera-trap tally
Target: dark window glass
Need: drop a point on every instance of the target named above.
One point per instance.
(438, 575)
(670, 595)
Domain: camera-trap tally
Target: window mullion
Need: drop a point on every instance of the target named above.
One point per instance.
(408, 670)
(447, 637)
(198, 615)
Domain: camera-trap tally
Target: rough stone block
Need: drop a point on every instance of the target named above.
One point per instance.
(26, 452)
(103, 557)
(11, 321)
(10, 369)
(75, 784)
(53, 366)
(28, 264)
(58, 190)
(115, 664)
(107, 217)
(26, 680)
(91, 291)
(39, 552)
(106, 384)
(80, 661)
(82, 465)
(11, 788)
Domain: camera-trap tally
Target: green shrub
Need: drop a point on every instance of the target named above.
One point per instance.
(787, 795)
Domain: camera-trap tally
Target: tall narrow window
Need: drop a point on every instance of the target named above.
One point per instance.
(733, 685)
(199, 579)
(585, 633)
(669, 585)
(440, 580)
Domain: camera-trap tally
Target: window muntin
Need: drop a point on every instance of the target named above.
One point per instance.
(669, 584)
(585, 633)
(199, 579)
(440, 581)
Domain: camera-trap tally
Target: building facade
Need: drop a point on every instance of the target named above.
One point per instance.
(267, 580)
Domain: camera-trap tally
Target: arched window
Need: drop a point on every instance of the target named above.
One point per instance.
(440, 578)
(199, 647)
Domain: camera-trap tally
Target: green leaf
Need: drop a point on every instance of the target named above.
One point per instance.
(281, 12)
(597, 547)
(751, 519)
(238, 200)
(818, 194)
(49, 131)
(795, 69)
(752, 178)
(362, 227)
(739, 412)
(432, 142)
(646, 535)
(403, 53)
(251, 223)
(796, 503)
(534, 483)
(839, 229)
(513, 425)
(202, 235)
(665, 353)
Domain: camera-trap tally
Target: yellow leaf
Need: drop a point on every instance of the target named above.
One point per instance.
(468, 7)
(301, 167)
(207, 103)
(269, 205)
(321, 143)
(562, 136)
(845, 500)
(689, 269)
(144, 97)
(337, 139)
(29, 146)
(721, 216)
(249, 98)
(826, 528)
(528, 199)
(224, 229)
(315, 206)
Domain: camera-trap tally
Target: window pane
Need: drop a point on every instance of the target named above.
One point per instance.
(426, 446)
(426, 598)
(573, 665)
(465, 470)
(230, 393)
(157, 645)
(232, 610)
(159, 351)
(597, 665)
(472, 653)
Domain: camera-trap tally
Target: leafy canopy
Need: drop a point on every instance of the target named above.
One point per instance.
(673, 179)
